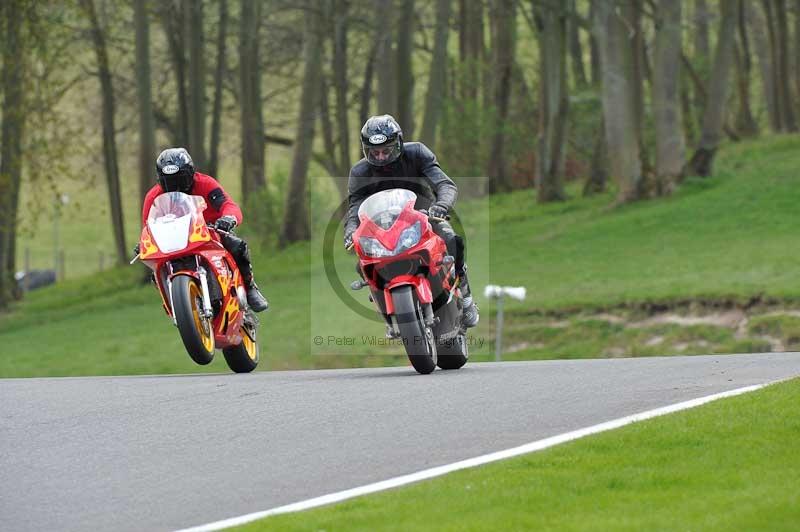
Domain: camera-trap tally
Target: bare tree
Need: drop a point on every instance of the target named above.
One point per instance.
(252, 122)
(670, 144)
(551, 21)
(295, 221)
(147, 141)
(719, 90)
(502, 13)
(109, 131)
(437, 82)
(619, 113)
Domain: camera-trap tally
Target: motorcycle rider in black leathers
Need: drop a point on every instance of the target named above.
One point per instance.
(391, 163)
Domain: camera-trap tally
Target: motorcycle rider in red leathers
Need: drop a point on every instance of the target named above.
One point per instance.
(176, 173)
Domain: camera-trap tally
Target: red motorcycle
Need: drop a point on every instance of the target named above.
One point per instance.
(200, 285)
(412, 280)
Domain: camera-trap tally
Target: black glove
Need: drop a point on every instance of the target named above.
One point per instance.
(225, 223)
(348, 240)
(438, 210)
(136, 249)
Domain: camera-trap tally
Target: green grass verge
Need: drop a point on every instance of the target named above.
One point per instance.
(729, 237)
(729, 465)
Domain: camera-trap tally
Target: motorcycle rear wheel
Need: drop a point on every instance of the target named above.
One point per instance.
(196, 331)
(418, 339)
(454, 353)
(243, 358)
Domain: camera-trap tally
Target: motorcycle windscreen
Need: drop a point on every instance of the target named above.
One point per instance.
(171, 217)
(384, 207)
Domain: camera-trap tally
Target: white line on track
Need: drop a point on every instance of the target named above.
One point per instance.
(471, 462)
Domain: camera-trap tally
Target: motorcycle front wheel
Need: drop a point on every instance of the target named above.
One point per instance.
(418, 339)
(195, 330)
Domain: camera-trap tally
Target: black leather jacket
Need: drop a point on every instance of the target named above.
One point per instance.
(417, 170)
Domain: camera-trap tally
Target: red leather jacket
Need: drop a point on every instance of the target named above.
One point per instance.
(218, 202)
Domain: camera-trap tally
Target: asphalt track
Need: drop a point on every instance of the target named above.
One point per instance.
(168, 452)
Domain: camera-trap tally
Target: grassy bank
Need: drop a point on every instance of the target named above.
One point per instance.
(730, 238)
(729, 465)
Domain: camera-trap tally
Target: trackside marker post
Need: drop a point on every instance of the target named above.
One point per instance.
(499, 293)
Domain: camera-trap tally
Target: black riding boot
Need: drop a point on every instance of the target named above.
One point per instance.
(471, 316)
(241, 254)
(255, 299)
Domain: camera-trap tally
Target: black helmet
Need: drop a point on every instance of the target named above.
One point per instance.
(175, 170)
(382, 140)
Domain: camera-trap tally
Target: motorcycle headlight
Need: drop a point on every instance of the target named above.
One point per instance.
(372, 248)
(409, 238)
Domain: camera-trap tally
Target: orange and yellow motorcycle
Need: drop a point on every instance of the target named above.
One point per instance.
(201, 288)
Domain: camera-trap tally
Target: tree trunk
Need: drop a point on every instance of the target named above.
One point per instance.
(197, 85)
(470, 46)
(109, 140)
(702, 48)
(295, 221)
(253, 171)
(327, 127)
(633, 18)
(12, 131)
(701, 59)
(553, 103)
(339, 179)
(594, 50)
(386, 57)
(405, 76)
(598, 171)
(576, 50)
(472, 87)
(765, 63)
(719, 85)
(216, 116)
(670, 144)
(503, 15)
(797, 47)
(437, 82)
(775, 63)
(783, 82)
(619, 113)
(366, 85)
(746, 125)
(341, 83)
(147, 141)
(174, 30)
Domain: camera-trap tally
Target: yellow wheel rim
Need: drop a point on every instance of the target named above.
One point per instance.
(249, 344)
(202, 325)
